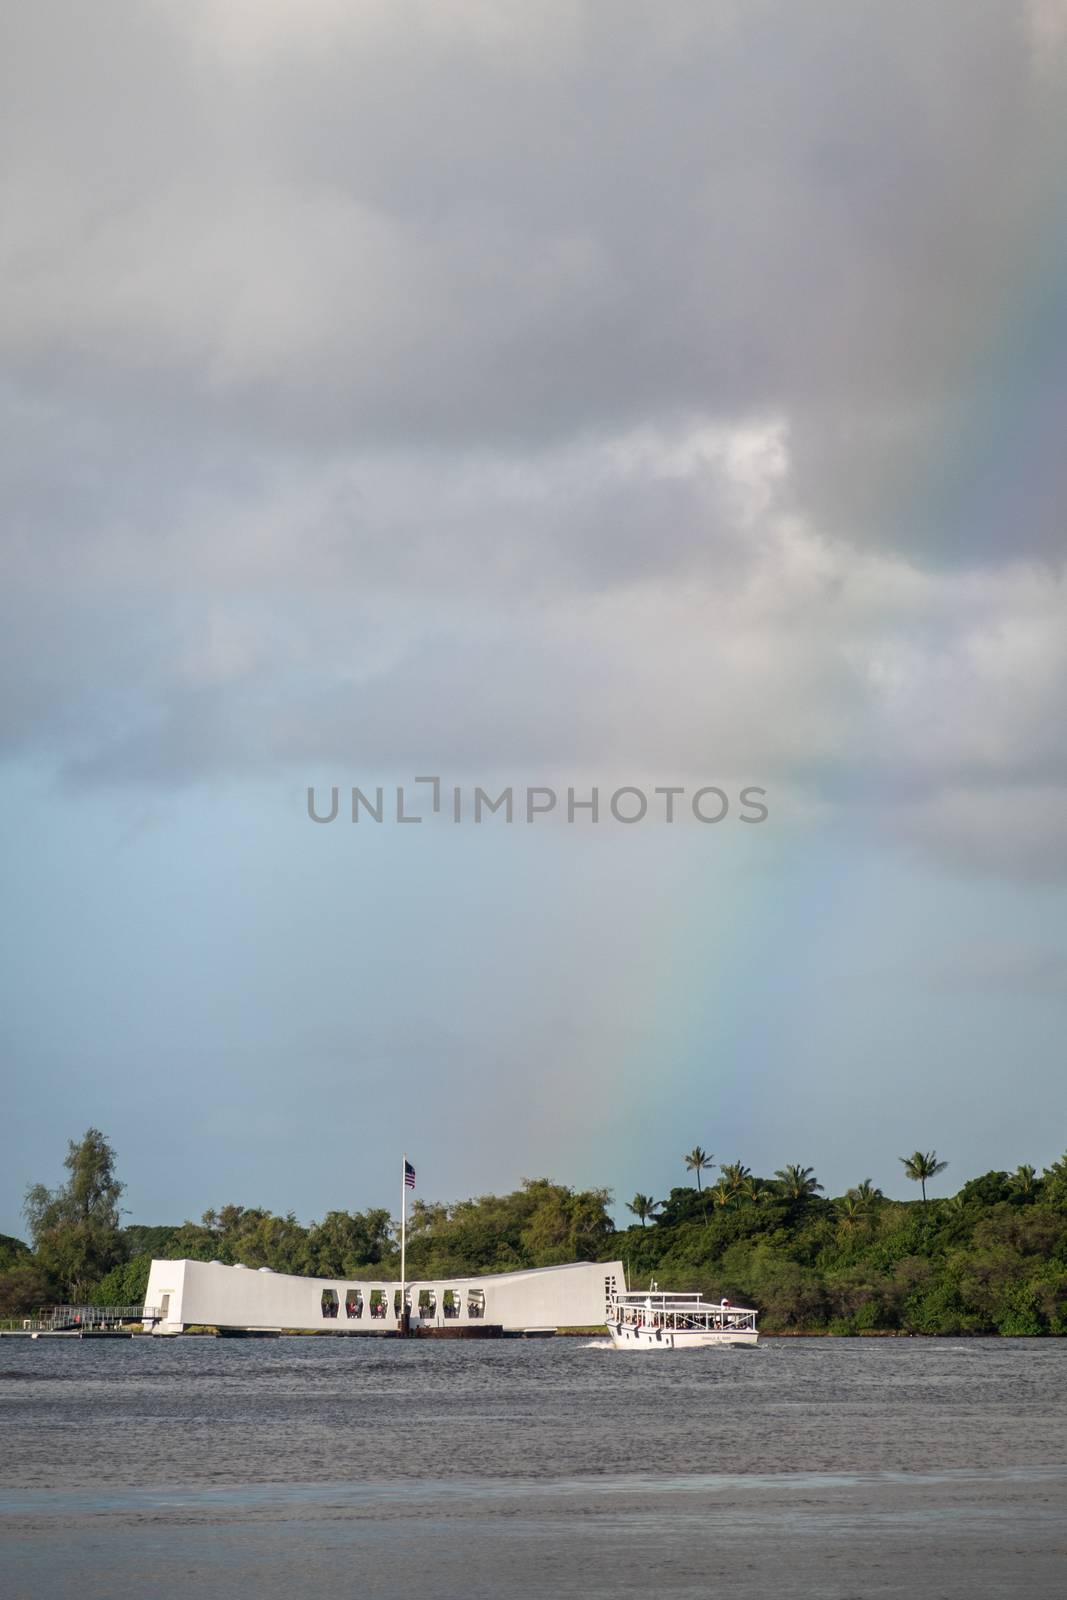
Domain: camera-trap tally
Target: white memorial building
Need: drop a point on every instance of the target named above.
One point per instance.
(183, 1294)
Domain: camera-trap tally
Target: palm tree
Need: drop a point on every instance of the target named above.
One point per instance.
(921, 1168)
(798, 1183)
(850, 1208)
(699, 1161)
(1024, 1181)
(754, 1189)
(867, 1192)
(723, 1193)
(643, 1206)
(735, 1174)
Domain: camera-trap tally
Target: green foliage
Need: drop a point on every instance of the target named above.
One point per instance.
(988, 1190)
(540, 1225)
(798, 1183)
(1025, 1184)
(682, 1205)
(24, 1286)
(346, 1242)
(339, 1246)
(148, 1241)
(1054, 1182)
(1018, 1312)
(75, 1228)
(12, 1251)
(124, 1285)
(935, 1306)
(1049, 1285)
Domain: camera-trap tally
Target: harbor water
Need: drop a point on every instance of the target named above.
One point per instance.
(811, 1467)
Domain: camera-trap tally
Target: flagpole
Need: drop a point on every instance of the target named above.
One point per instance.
(403, 1231)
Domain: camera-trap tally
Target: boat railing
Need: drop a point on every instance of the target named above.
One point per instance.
(683, 1311)
(717, 1319)
(657, 1298)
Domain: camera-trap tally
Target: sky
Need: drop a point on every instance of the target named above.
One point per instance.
(571, 396)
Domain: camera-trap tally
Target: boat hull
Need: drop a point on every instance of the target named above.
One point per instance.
(625, 1336)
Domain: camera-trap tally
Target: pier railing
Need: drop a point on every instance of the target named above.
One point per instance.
(77, 1319)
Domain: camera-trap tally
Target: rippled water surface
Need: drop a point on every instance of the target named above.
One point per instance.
(307, 1466)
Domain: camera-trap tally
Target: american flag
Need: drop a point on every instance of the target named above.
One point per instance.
(409, 1175)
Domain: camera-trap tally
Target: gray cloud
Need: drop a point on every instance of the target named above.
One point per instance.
(335, 225)
(559, 385)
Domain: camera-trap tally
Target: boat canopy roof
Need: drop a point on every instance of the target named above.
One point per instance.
(663, 1299)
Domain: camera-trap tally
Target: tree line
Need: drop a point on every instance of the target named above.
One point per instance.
(991, 1258)
(794, 1182)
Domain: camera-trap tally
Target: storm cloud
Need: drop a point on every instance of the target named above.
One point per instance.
(571, 386)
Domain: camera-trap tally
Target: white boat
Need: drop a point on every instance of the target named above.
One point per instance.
(654, 1320)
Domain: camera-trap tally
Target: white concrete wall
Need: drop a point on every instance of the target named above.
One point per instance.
(202, 1292)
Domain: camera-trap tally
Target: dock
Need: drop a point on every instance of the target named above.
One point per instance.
(75, 1322)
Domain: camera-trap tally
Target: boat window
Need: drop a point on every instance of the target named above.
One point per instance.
(377, 1303)
(427, 1303)
(475, 1303)
(329, 1302)
(354, 1303)
(451, 1303)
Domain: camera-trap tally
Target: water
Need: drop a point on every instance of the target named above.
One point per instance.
(828, 1468)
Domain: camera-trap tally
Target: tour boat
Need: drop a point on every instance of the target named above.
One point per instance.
(653, 1320)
